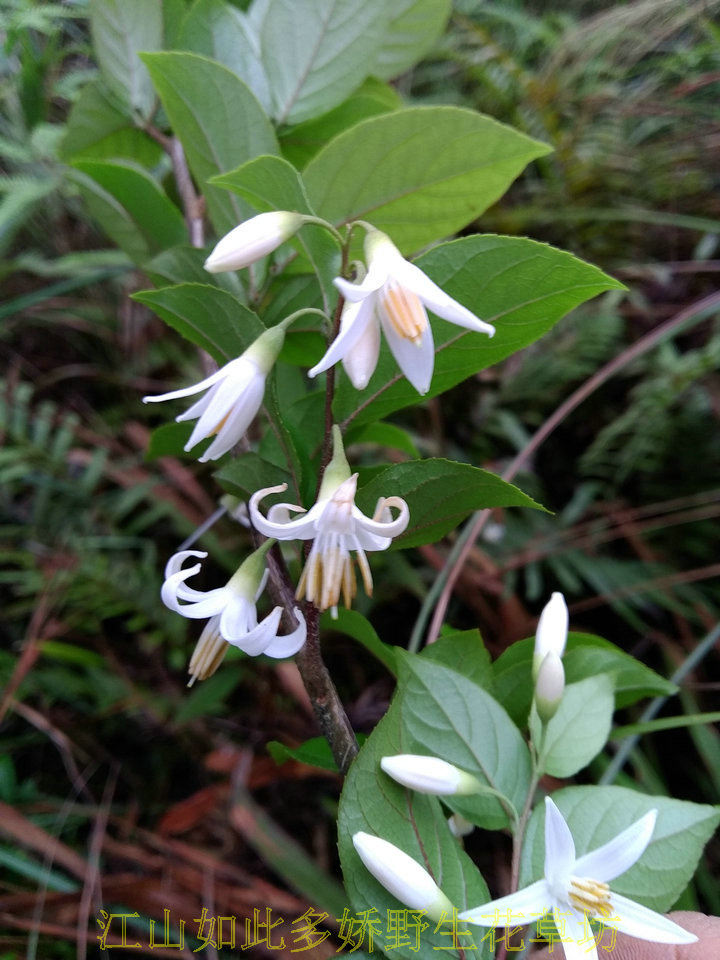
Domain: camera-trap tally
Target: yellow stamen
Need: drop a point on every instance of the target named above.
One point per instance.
(218, 426)
(207, 655)
(591, 896)
(405, 312)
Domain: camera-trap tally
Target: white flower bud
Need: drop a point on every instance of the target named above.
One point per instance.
(402, 876)
(459, 826)
(430, 775)
(549, 686)
(252, 240)
(551, 631)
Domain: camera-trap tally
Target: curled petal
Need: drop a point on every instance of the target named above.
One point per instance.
(256, 640)
(302, 528)
(286, 646)
(382, 528)
(177, 559)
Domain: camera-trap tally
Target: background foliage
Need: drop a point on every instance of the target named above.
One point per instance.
(118, 785)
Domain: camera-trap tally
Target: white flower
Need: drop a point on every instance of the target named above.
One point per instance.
(552, 630)
(549, 686)
(336, 526)
(429, 775)
(402, 876)
(393, 295)
(230, 611)
(252, 240)
(234, 395)
(576, 889)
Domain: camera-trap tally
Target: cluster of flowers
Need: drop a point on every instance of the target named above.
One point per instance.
(573, 889)
(392, 297)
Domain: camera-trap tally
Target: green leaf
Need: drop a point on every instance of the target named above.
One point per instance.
(220, 31)
(207, 699)
(320, 51)
(93, 117)
(155, 217)
(114, 219)
(521, 286)
(98, 130)
(206, 316)
(586, 656)
(439, 495)
(414, 26)
(385, 435)
(419, 174)
(315, 752)
(249, 472)
(217, 119)
(373, 803)
(597, 814)
(301, 142)
(449, 716)
(184, 264)
(169, 440)
(355, 625)
(120, 30)
(579, 730)
(465, 647)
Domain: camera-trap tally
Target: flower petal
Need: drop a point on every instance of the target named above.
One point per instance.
(361, 361)
(378, 272)
(238, 617)
(524, 906)
(302, 528)
(638, 921)
(382, 529)
(177, 559)
(356, 318)
(256, 640)
(576, 935)
(195, 388)
(415, 359)
(559, 847)
(439, 302)
(620, 853)
(238, 420)
(290, 643)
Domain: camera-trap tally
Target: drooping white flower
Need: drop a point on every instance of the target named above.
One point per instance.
(231, 612)
(234, 395)
(576, 889)
(402, 876)
(430, 775)
(393, 296)
(552, 630)
(336, 526)
(253, 239)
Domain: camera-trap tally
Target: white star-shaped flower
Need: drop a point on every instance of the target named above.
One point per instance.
(393, 296)
(576, 889)
(231, 613)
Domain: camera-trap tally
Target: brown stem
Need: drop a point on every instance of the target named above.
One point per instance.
(329, 711)
(193, 203)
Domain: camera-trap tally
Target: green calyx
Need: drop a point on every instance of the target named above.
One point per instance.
(337, 470)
